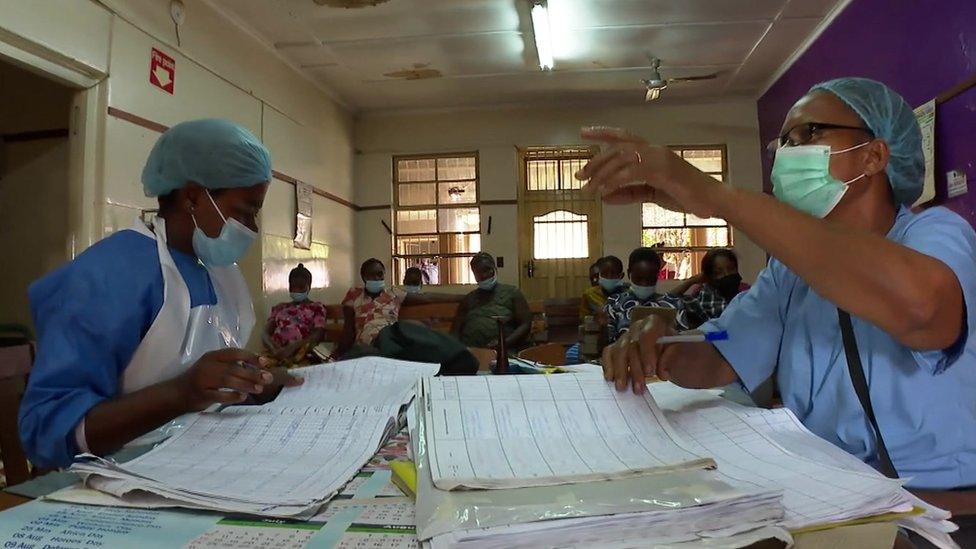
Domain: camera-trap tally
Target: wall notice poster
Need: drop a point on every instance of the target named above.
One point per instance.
(303, 215)
(956, 183)
(925, 115)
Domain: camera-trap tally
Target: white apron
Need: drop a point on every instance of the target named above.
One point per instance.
(180, 335)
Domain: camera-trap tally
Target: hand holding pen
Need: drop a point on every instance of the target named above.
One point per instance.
(636, 354)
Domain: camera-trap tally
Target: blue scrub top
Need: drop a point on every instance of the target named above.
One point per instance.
(925, 402)
(90, 316)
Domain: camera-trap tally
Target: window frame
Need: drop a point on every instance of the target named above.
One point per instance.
(585, 221)
(436, 206)
(556, 154)
(725, 180)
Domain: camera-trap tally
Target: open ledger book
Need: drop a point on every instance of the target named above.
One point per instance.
(759, 453)
(285, 459)
(493, 432)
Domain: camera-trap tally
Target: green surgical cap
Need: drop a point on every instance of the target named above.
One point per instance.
(216, 154)
(890, 117)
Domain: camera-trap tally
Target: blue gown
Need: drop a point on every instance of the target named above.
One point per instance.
(925, 401)
(91, 315)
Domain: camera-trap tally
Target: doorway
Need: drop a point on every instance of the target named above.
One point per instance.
(561, 229)
(34, 184)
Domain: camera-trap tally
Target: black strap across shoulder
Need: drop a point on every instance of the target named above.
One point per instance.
(861, 388)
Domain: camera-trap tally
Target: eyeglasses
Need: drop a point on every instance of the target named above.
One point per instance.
(802, 134)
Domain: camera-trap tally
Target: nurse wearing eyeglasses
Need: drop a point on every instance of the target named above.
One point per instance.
(841, 236)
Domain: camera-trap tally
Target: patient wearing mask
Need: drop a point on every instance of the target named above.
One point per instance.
(413, 280)
(370, 308)
(708, 293)
(643, 266)
(609, 281)
(296, 326)
(476, 325)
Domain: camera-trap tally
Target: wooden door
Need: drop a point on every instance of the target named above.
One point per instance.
(560, 229)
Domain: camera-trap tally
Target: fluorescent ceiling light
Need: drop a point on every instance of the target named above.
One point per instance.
(543, 35)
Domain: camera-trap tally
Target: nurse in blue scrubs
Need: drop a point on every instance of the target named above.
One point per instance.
(148, 324)
(848, 166)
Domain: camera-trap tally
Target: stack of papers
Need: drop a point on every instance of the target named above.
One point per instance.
(284, 459)
(517, 431)
(814, 492)
(570, 448)
(763, 457)
(740, 521)
(373, 381)
(821, 484)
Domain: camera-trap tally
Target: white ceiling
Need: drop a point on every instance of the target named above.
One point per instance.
(482, 52)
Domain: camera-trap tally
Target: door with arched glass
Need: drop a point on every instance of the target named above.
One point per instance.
(560, 228)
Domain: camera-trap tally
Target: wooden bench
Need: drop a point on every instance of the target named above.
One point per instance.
(439, 316)
(562, 319)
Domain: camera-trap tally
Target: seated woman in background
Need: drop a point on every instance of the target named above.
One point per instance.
(713, 288)
(475, 324)
(610, 281)
(413, 280)
(369, 308)
(643, 266)
(295, 327)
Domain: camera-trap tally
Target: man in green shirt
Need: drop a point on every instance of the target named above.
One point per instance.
(475, 324)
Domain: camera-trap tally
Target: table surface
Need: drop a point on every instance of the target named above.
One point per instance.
(880, 535)
(10, 500)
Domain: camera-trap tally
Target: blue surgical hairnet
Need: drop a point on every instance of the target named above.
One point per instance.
(890, 117)
(217, 154)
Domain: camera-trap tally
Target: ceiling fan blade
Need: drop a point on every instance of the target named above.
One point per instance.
(694, 78)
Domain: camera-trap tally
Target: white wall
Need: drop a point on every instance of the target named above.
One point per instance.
(33, 183)
(221, 71)
(69, 40)
(495, 134)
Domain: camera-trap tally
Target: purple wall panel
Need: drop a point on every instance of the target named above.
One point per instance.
(918, 47)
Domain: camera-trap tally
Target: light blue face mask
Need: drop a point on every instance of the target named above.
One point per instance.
(488, 283)
(801, 178)
(375, 286)
(229, 246)
(411, 289)
(609, 285)
(642, 292)
(298, 297)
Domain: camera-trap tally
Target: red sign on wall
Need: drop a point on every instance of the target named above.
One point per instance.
(162, 71)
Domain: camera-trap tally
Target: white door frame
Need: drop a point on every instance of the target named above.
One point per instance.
(86, 131)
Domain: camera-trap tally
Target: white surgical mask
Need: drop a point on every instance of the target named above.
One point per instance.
(801, 178)
(610, 284)
(488, 283)
(375, 286)
(229, 246)
(642, 292)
